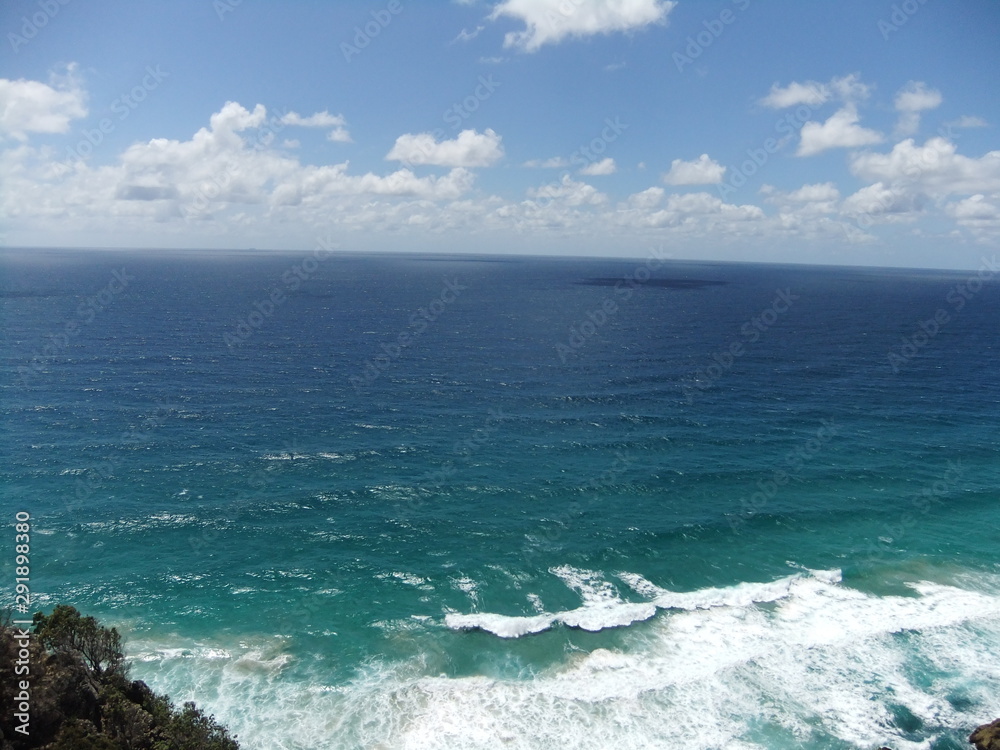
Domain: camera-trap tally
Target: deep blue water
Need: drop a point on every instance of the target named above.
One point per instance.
(467, 502)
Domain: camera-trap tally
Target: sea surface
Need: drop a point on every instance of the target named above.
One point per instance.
(348, 501)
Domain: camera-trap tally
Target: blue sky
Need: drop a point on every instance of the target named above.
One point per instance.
(849, 132)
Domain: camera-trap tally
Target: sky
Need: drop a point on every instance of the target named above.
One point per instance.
(855, 132)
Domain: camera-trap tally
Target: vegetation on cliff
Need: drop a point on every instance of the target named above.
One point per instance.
(79, 695)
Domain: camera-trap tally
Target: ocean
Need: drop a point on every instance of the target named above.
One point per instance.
(397, 501)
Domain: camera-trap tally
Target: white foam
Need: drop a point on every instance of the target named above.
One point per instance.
(504, 626)
(603, 608)
(468, 587)
(815, 668)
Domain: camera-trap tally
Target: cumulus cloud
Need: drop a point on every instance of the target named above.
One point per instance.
(816, 198)
(35, 107)
(225, 177)
(882, 202)
(647, 198)
(701, 171)
(823, 191)
(979, 214)
(841, 130)
(810, 92)
(910, 101)
(699, 213)
(469, 149)
(237, 181)
(552, 21)
(323, 119)
(935, 168)
(569, 192)
(847, 88)
(603, 167)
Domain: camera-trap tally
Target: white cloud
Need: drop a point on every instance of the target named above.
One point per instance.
(603, 167)
(237, 182)
(701, 171)
(469, 149)
(847, 88)
(35, 107)
(880, 201)
(556, 162)
(224, 178)
(319, 120)
(916, 97)
(468, 36)
(234, 118)
(700, 213)
(968, 121)
(979, 214)
(823, 191)
(322, 119)
(935, 168)
(552, 21)
(810, 92)
(647, 198)
(810, 199)
(570, 192)
(910, 101)
(841, 130)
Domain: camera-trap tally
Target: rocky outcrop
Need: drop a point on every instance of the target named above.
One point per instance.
(987, 737)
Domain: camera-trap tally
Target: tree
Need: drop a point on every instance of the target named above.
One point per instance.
(68, 631)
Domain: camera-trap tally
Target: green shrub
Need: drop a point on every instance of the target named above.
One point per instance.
(82, 698)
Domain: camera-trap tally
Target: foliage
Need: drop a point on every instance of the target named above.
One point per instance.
(81, 697)
(67, 630)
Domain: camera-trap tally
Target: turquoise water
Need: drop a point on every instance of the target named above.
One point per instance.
(435, 502)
